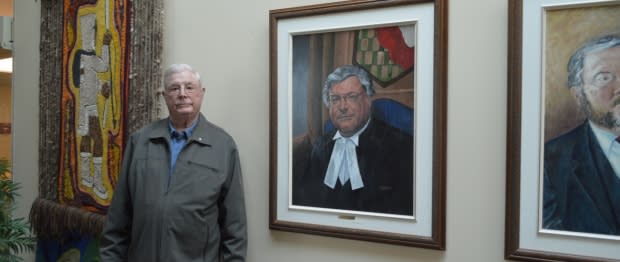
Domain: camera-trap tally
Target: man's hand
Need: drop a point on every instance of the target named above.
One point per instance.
(107, 38)
(105, 90)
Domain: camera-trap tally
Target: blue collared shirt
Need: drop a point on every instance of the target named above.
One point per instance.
(177, 141)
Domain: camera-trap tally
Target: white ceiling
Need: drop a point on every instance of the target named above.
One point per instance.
(6, 9)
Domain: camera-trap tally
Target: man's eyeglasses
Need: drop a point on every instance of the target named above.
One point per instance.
(175, 90)
(350, 98)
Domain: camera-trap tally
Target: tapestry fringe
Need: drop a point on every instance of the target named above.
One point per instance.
(51, 220)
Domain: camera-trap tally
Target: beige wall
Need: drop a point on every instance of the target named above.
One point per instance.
(25, 100)
(6, 7)
(228, 42)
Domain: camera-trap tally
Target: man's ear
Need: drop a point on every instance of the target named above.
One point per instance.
(577, 93)
(573, 90)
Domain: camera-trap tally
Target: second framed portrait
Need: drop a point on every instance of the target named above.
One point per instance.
(563, 169)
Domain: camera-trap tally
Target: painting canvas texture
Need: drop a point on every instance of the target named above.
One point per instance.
(577, 180)
(387, 54)
(99, 78)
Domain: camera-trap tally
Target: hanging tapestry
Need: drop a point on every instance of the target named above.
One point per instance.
(100, 72)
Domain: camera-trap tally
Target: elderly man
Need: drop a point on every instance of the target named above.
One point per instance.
(582, 167)
(364, 164)
(179, 196)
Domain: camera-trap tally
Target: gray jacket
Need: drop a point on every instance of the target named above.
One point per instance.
(199, 217)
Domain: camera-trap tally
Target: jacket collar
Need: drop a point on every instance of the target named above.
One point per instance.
(200, 134)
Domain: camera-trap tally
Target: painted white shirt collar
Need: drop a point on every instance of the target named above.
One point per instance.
(343, 162)
(611, 148)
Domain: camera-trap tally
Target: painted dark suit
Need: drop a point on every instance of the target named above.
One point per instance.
(385, 159)
(581, 191)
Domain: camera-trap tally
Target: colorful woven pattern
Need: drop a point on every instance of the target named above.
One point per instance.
(95, 88)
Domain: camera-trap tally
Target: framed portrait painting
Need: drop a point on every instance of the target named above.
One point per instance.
(563, 172)
(357, 121)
